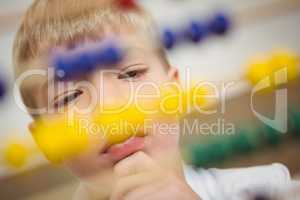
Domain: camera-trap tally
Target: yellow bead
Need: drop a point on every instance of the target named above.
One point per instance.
(61, 139)
(121, 125)
(180, 102)
(198, 96)
(16, 154)
(288, 59)
(259, 69)
(173, 101)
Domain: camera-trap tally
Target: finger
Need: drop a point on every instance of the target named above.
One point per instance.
(137, 163)
(130, 183)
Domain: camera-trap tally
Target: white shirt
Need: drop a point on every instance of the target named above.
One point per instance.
(230, 184)
(217, 184)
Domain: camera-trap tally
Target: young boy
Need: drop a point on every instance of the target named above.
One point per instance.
(149, 167)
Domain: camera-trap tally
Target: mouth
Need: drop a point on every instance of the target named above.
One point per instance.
(122, 150)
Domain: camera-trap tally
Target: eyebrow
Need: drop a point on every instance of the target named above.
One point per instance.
(133, 65)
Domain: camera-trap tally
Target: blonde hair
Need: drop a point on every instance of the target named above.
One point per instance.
(50, 23)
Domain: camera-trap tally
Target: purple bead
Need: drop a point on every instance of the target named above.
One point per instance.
(2, 89)
(65, 64)
(262, 197)
(108, 56)
(197, 31)
(219, 24)
(76, 62)
(169, 38)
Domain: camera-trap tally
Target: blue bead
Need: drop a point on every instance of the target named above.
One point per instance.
(169, 39)
(219, 24)
(65, 64)
(74, 64)
(197, 31)
(84, 63)
(2, 89)
(109, 55)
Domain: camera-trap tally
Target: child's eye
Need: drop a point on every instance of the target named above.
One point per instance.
(67, 98)
(132, 74)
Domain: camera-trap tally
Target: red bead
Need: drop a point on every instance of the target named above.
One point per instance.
(127, 4)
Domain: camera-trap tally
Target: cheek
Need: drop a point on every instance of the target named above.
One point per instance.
(89, 162)
(157, 71)
(116, 92)
(86, 102)
(159, 74)
(165, 135)
(164, 147)
(171, 139)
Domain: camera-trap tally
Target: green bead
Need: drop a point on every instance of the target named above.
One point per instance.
(224, 147)
(200, 155)
(217, 152)
(241, 144)
(295, 122)
(213, 151)
(245, 141)
(271, 136)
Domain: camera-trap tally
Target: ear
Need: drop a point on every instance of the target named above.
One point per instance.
(173, 74)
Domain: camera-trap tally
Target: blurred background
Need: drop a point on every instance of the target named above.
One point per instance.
(257, 28)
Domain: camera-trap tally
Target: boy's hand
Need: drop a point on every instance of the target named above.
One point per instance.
(138, 177)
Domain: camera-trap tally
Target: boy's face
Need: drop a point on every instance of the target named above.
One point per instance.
(141, 72)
